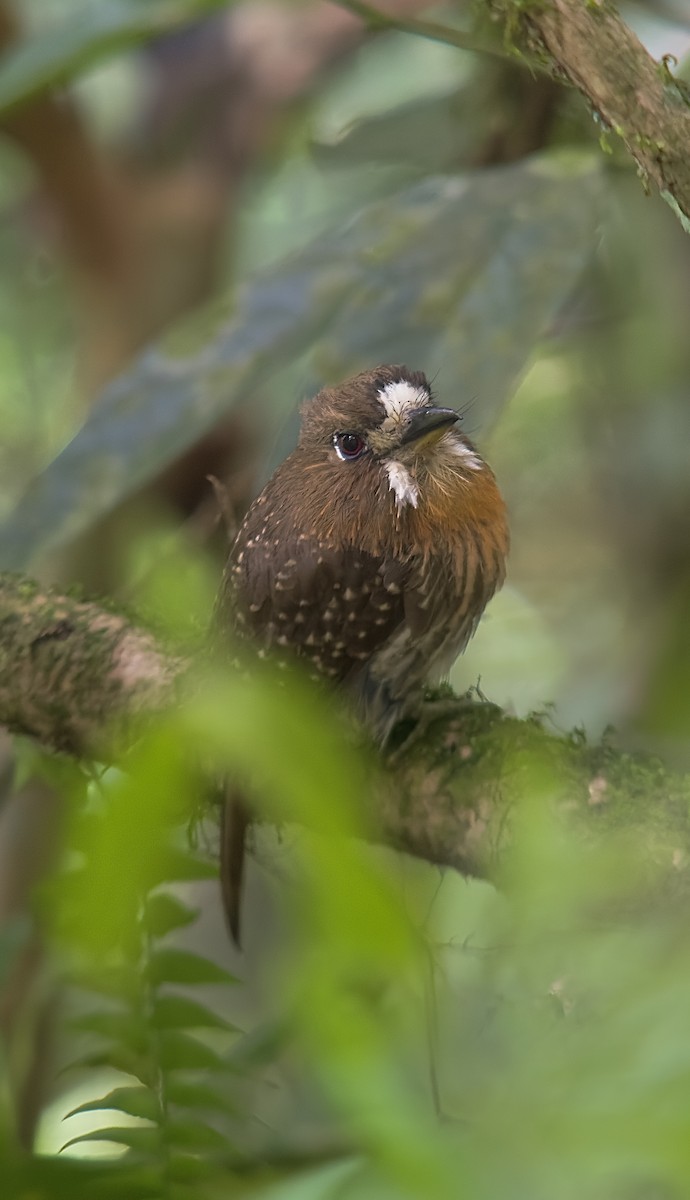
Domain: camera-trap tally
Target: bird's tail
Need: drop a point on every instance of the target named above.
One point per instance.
(233, 832)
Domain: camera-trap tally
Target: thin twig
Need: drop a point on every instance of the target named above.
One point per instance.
(431, 30)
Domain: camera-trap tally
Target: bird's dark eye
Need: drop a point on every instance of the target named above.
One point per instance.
(349, 446)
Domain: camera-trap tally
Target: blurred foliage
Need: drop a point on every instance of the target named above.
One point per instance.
(387, 279)
(391, 1031)
(530, 1046)
(92, 32)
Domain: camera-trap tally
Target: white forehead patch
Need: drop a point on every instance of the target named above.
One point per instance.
(401, 482)
(400, 399)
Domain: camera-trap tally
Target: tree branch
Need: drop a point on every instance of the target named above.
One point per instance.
(456, 799)
(77, 678)
(378, 20)
(80, 679)
(586, 44)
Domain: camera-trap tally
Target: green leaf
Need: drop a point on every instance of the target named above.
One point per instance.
(143, 1140)
(97, 31)
(164, 912)
(180, 1052)
(126, 853)
(467, 274)
(181, 966)
(185, 867)
(457, 275)
(53, 1178)
(115, 982)
(124, 1028)
(176, 1012)
(116, 1058)
(170, 398)
(195, 1096)
(192, 1135)
(266, 1043)
(186, 1169)
(135, 1101)
(424, 135)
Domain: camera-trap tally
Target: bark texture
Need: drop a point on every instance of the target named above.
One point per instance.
(73, 676)
(586, 44)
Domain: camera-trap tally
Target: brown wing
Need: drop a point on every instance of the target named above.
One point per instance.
(331, 606)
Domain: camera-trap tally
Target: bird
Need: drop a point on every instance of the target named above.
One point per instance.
(369, 557)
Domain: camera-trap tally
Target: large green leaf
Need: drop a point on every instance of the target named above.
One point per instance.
(177, 1012)
(63, 51)
(135, 1101)
(194, 1095)
(470, 276)
(125, 1028)
(180, 1052)
(146, 1140)
(181, 966)
(164, 912)
(457, 275)
(430, 133)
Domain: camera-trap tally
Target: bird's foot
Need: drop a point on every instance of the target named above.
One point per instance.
(414, 729)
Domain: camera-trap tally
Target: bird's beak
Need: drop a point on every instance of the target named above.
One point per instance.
(427, 425)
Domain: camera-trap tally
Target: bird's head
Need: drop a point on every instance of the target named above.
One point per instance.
(381, 431)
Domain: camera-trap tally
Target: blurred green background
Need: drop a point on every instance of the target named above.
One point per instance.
(254, 200)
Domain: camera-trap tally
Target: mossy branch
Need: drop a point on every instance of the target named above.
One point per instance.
(456, 798)
(73, 676)
(80, 679)
(585, 44)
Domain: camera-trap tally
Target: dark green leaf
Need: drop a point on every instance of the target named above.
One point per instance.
(135, 1101)
(195, 1096)
(192, 1135)
(116, 1058)
(68, 1178)
(164, 913)
(145, 1140)
(263, 1045)
(120, 1027)
(176, 1012)
(117, 982)
(469, 273)
(186, 1168)
(180, 1052)
(185, 867)
(170, 398)
(181, 966)
(458, 276)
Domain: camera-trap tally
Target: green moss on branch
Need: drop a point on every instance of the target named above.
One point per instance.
(588, 46)
(80, 679)
(454, 798)
(72, 675)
